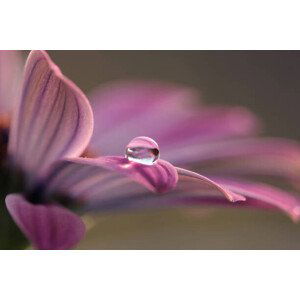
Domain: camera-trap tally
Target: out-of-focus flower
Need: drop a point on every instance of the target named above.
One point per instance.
(220, 142)
(10, 77)
(48, 183)
(52, 120)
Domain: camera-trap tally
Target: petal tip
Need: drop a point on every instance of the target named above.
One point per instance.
(43, 54)
(296, 214)
(48, 227)
(234, 197)
(53, 110)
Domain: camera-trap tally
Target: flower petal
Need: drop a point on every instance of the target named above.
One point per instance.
(191, 193)
(111, 183)
(265, 196)
(167, 113)
(128, 109)
(197, 179)
(53, 120)
(265, 156)
(192, 189)
(46, 226)
(11, 68)
(160, 177)
(89, 180)
(209, 124)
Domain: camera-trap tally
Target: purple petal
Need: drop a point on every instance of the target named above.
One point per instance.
(167, 113)
(265, 196)
(11, 67)
(266, 156)
(110, 184)
(199, 180)
(160, 177)
(192, 189)
(46, 226)
(192, 192)
(104, 178)
(54, 119)
(125, 110)
(209, 124)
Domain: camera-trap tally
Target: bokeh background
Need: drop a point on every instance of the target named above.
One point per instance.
(267, 82)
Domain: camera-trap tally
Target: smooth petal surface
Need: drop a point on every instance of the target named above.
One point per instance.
(160, 177)
(46, 226)
(264, 196)
(197, 180)
(11, 69)
(101, 179)
(265, 156)
(111, 183)
(209, 124)
(128, 109)
(191, 189)
(193, 193)
(54, 119)
(169, 114)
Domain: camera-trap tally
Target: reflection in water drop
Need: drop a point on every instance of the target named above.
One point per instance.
(142, 150)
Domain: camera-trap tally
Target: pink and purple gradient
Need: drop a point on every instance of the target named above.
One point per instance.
(53, 125)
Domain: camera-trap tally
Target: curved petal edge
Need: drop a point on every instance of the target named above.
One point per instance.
(48, 227)
(231, 196)
(53, 119)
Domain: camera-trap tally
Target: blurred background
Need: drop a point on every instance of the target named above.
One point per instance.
(267, 82)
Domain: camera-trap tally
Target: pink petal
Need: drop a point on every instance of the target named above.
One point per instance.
(266, 156)
(103, 178)
(11, 67)
(128, 109)
(54, 118)
(192, 189)
(264, 196)
(198, 181)
(111, 183)
(167, 113)
(192, 192)
(210, 124)
(160, 177)
(46, 226)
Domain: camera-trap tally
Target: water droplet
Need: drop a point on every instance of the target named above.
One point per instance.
(142, 150)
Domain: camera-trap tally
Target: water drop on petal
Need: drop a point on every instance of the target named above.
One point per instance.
(142, 150)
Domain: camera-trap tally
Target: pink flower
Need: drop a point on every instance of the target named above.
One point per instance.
(52, 120)
(220, 142)
(47, 182)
